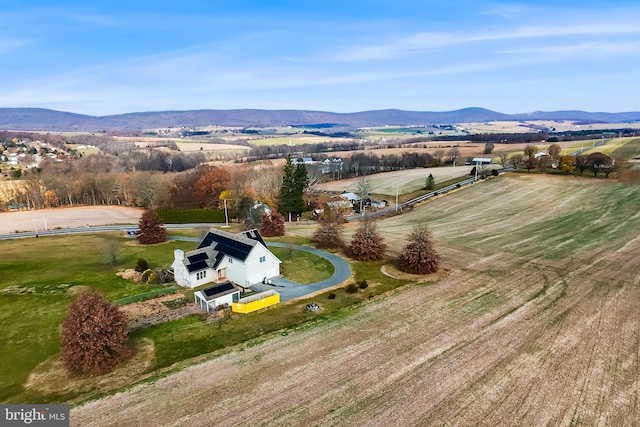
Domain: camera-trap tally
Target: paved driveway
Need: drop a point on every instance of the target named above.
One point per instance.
(289, 290)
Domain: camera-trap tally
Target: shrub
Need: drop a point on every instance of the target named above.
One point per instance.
(363, 284)
(145, 276)
(367, 244)
(332, 296)
(419, 256)
(142, 265)
(352, 288)
(272, 225)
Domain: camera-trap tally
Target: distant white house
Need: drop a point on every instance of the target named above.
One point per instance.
(222, 295)
(303, 160)
(482, 161)
(331, 165)
(378, 204)
(241, 258)
(347, 195)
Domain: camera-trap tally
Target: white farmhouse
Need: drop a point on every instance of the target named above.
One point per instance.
(241, 258)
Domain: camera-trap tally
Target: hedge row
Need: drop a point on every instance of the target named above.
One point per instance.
(188, 216)
(147, 295)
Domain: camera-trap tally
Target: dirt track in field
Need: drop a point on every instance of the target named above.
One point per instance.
(538, 323)
(11, 222)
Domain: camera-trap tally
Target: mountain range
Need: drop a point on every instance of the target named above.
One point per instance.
(40, 119)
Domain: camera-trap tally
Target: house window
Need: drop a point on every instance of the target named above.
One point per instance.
(201, 275)
(230, 260)
(263, 258)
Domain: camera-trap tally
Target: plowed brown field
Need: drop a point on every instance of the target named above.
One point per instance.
(537, 324)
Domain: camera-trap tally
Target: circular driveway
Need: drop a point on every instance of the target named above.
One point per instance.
(289, 290)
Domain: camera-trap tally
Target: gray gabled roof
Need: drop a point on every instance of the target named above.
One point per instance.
(218, 291)
(234, 245)
(201, 259)
(217, 244)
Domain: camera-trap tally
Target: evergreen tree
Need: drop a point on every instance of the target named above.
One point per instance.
(301, 182)
(150, 229)
(294, 182)
(431, 183)
(94, 336)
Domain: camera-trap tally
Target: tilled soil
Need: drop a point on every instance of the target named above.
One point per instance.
(537, 323)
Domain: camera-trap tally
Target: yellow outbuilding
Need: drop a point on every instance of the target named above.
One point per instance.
(256, 302)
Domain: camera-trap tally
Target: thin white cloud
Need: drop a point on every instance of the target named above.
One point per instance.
(425, 42)
(10, 45)
(632, 48)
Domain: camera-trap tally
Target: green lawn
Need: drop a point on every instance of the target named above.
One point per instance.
(303, 267)
(41, 276)
(38, 281)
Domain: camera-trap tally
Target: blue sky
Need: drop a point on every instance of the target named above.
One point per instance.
(115, 57)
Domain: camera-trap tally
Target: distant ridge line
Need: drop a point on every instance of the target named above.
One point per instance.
(41, 119)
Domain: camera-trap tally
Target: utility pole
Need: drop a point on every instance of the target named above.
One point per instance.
(396, 199)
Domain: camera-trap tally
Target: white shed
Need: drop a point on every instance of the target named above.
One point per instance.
(224, 294)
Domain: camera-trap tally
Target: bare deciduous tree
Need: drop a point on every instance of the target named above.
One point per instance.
(328, 234)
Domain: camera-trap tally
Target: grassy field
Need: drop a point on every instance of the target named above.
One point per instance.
(405, 181)
(613, 145)
(630, 150)
(536, 324)
(294, 140)
(39, 279)
(34, 296)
